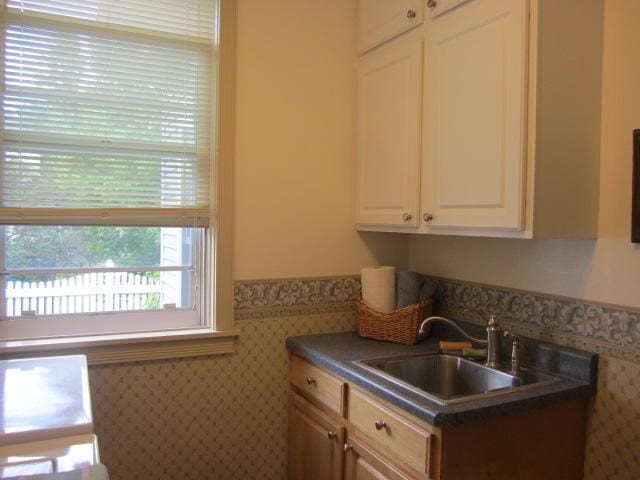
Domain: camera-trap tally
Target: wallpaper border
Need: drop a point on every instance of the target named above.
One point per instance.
(596, 327)
(256, 299)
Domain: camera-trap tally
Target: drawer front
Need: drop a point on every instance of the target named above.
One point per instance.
(317, 384)
(394, 433)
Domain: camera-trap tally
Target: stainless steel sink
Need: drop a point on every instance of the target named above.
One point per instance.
(449, 379)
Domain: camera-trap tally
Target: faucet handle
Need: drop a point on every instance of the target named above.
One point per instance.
(516, 339)
(511, 336)
(516, 352)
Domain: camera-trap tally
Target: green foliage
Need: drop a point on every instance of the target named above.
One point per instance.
(126, 246)
(40, 247)
(152, 302)
(80, 247)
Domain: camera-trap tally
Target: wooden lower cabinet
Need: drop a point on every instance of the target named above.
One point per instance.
(315, 443)
(362, 437)
(363, 463)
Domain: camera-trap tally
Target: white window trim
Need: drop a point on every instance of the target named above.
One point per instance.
(219, 335)
(129, 347)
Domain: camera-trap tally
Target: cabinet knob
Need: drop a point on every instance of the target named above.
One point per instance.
(411, 14)
(310, 381)
(432, 3)
(427, 217)
(380, 424)
(347, 447)
(406, 217)
(332, 435)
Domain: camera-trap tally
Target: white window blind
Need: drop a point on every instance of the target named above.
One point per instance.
(107, 112)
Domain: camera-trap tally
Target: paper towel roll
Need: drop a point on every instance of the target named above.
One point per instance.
(379, 287)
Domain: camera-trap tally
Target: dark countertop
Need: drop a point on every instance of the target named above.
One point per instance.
(337, 352)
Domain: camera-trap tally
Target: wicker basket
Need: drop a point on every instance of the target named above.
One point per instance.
(399, 326)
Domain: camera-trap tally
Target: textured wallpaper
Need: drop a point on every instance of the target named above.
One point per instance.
(209, 418)
(613, 441)
(225, 417)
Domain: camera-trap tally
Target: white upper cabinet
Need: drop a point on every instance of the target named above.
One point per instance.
(381, 20)
(475, 116)
(510, 125)
(388, 131)
(438, 7)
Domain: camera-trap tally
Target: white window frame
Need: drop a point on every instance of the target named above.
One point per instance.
(109, 322)
(215, 332)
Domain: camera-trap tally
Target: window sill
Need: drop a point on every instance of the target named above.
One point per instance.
(123, 348)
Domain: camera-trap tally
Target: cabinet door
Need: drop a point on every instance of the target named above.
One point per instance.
(388, 143)
(438, 7)
(363, 463)
(475, 116)
(315, 443)
(381, 20)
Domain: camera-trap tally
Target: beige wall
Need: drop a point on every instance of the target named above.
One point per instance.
(607, 270)
(294, 187)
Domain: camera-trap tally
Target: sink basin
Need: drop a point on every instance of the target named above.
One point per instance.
(449, 379)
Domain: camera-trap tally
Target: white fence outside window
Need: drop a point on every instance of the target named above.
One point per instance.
(85, 293)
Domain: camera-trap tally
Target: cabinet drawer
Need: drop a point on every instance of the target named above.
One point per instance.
(317, 384)
(394, 433)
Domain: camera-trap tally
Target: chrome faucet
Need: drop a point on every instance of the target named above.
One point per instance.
(492, 342)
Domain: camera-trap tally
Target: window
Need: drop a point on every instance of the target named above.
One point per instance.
(107, 166)
(53, 272)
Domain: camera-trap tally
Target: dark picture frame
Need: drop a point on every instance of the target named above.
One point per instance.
(635, 206)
